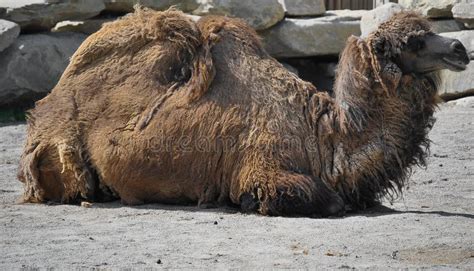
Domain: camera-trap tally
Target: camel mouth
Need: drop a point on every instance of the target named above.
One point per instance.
(455, 65)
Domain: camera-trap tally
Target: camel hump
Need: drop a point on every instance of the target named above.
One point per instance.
(136, 32)
(166, 47)
(233, 31)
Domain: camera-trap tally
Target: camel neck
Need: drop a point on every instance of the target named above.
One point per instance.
(380, 135)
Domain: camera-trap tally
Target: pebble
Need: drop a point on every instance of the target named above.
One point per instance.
(86, 204)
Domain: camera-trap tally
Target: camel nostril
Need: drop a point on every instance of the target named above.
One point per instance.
(457, 46)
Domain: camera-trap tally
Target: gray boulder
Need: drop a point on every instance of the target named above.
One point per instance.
(195, 18)
(441, 26)
(464, 13)
(127, 5)
(259, 14)
(454, 84)
(9, 31)
(431, 8)
(345, 14)
(86, 27)
(44, 14)
(33, 65)
(373, 18)
(303, 7)
(295, 37)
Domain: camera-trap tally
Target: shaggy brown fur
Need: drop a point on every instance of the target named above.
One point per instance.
(156, 108)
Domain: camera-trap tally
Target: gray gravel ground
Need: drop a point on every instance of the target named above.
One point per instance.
(431, 226)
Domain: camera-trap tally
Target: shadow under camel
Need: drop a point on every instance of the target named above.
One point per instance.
(376, 211)
(382, 210)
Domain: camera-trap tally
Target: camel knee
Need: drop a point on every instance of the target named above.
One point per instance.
(294, 194)
(292, 202)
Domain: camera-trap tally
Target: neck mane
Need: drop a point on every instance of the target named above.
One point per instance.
(380, 123)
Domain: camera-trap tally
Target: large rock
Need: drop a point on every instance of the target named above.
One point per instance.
(259, 14)
(310, 37)
(86, 27)
(457, 83)
(372, 19)
(441, 26)
(303, 7)
(431, 8)
(44, 14)
(464, 13)
(125, 6)
(9, 31)
(345, 14)
(33, 64)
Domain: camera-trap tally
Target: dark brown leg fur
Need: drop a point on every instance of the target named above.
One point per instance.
(299, 194)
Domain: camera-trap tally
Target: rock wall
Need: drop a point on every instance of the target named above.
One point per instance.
(300, 33)
(33, 64)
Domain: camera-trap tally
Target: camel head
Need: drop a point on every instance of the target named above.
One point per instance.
(407, 41)
(431, 52)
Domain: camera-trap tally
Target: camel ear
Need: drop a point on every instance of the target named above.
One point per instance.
(384, 47)
(379, 46)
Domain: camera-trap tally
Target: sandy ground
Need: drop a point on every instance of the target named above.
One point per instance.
(431, 226)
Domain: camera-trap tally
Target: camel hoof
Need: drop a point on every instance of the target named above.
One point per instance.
(335, 207)
(248, 203)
